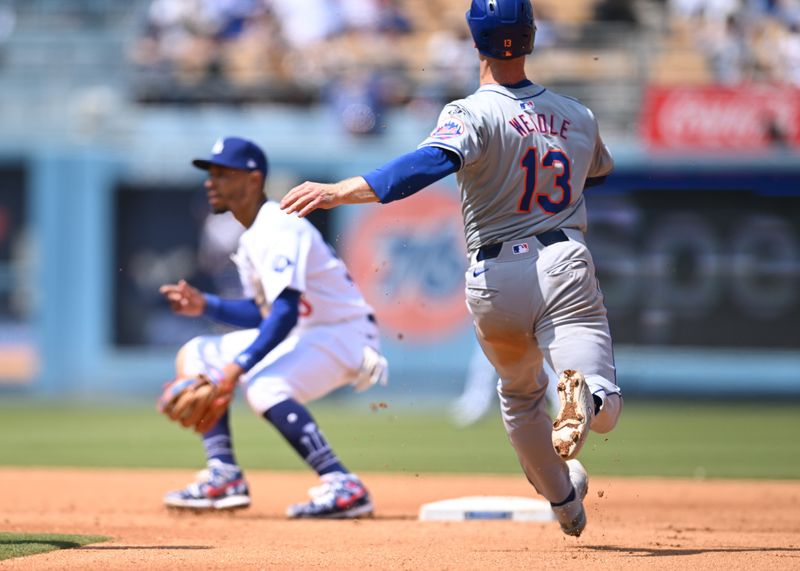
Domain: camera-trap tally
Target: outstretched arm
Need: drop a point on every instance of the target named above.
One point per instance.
(307, 197)
(397, 179)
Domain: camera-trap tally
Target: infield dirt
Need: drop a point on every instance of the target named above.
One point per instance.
(633, 524)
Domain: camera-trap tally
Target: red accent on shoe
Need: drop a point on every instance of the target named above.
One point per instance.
(358, 492)
(213, 492)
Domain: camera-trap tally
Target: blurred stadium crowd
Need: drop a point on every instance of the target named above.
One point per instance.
(361, 56)
(311, 43)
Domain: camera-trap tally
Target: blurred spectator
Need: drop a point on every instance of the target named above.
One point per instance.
(358, 14)
(775, 133)
(226, 19)
(728, 51)
(257, 57)
(548, 33)
(377, 16)
(177, 40)
(392, 19)
(710, 10)
(306, 23)
(357, 100)
(787, 11)
(617, 11)
(452, 67)
(788, 54)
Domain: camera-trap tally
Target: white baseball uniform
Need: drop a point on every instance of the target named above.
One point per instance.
(326, 348)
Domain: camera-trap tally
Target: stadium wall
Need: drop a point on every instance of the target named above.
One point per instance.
(699, 258)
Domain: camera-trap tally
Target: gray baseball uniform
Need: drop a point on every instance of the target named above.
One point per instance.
(526, 154)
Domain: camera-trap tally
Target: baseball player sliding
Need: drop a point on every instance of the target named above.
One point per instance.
(523, 155)
(306, 330)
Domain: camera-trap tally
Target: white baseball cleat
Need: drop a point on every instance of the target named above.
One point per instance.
(571, 426)
(571, 515)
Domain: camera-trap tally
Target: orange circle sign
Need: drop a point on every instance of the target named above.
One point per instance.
(409, 258)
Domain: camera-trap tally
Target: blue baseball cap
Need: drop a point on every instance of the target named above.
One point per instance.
(235, 153)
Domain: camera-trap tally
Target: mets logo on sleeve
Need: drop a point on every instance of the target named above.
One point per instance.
(451, 128)
(408, 258)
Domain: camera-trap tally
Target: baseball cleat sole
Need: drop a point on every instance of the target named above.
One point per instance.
(571, 426)
(357, 512)
(200, 505)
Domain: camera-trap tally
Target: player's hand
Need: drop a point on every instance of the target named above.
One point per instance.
(307, 197)
(229, 378)
(183, 298)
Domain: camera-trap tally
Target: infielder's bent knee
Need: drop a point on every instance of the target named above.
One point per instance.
(180, 360)
(187, 358)
(605, 420)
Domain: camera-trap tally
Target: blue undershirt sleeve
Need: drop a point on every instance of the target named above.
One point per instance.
(237, 312)
(409, 173)
(273, 329)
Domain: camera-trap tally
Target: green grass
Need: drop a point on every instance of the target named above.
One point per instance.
(652, 439)
(22, 544)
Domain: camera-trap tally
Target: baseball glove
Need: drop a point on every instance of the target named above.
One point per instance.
(195, 402)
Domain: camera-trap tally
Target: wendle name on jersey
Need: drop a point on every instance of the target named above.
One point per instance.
(528, 123)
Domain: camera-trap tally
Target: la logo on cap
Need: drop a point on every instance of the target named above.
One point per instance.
(218, 147)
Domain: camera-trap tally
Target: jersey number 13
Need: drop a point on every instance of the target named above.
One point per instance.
(546, 200)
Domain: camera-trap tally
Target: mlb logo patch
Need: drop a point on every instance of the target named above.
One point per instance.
(520, 248)
(527, 105)
(281, 263)
(451, 128)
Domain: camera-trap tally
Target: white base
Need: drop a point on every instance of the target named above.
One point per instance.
(487, 508)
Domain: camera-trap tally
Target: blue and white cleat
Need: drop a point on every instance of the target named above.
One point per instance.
(220, 487)
(340, 496)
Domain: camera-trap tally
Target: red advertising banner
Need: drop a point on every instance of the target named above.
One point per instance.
(712, 118)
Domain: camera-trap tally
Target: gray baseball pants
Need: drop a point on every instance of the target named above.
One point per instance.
(535, 302)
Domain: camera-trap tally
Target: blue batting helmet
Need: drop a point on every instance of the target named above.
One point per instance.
(502, 29)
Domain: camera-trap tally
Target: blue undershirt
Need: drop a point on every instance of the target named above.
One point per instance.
(273, 329)
(237, 312)
(410, 173)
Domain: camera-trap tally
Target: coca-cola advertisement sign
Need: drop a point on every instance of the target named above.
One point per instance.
(721, 118)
